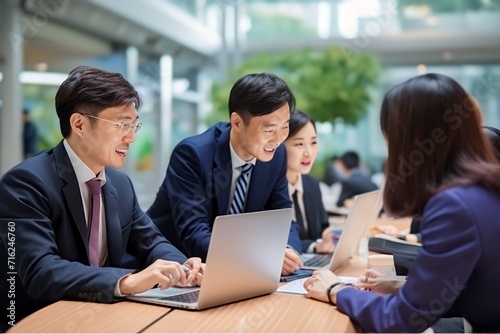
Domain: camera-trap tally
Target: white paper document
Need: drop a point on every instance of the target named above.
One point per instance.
(297, 286)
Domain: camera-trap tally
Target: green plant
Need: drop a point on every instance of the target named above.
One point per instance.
(328, 84)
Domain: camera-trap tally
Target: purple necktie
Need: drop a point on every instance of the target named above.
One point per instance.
(94, 186)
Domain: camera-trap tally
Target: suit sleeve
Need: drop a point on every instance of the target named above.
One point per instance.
(313, 202)
(146, 241)
(450, 236)
(323, 215)
(345, 193)
(185, 183)
(27, 205)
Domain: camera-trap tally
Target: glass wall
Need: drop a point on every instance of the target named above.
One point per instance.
(481, 81)
(350, 18)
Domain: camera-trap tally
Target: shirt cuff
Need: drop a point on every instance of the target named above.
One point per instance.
(310, 249)
(117, 292)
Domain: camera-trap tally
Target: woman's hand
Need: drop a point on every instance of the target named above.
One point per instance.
(196, 269)
(324, 247)
(378, 282)
(389, 230)
(317, 285)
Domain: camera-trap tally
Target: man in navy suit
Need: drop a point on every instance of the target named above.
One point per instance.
(203, 171)
(355, 182)
(45, 209)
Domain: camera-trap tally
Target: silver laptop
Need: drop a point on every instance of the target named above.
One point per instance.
(244, 260)
(364, 211)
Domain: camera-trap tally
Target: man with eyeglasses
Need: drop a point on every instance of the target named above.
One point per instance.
(67, 217)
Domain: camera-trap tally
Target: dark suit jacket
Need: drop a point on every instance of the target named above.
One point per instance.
(356, 184)
(455, 273)
(317, 218)
(42, 225)
(197, 185)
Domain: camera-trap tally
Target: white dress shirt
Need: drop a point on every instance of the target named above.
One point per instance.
(84, 174)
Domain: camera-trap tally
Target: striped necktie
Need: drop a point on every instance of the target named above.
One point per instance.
(238, 204)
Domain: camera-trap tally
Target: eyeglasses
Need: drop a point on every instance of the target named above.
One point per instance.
(124, 127)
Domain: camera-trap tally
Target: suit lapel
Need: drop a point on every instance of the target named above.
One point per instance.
(71, 191)
(222, 171)
(258, 182)
(310, 214)
(113, 229)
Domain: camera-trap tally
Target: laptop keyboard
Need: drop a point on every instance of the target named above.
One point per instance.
(319, 260)
(188, 297)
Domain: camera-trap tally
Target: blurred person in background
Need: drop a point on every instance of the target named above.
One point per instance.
(354, 181)
(30, 133)
(302, 149)
(332, 175)
(330, 188)
(455, 191)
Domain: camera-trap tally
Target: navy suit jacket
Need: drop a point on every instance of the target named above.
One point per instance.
(356, 184)
(42, 225)
(317, 218)
(197, 185)
(455, 273)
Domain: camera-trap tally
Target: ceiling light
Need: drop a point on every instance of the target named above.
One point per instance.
(421, 68)
(42, 78)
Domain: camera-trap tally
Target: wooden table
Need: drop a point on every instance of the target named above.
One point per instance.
(77, 317)
(277, 312)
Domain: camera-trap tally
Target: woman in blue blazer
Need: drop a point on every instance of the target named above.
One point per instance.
(440, 168)
(302, 149)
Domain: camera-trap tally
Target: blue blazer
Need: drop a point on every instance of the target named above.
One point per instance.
(317, 218)
(42, 217)
(197, 185)
(455, 273)
(357, 183)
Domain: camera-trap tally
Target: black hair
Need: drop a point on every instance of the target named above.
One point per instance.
(299, 119)
(434, 141)
(90, 90)
(350, 159)
(259, 94)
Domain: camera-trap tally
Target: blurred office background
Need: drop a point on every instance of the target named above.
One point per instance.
(339, 56)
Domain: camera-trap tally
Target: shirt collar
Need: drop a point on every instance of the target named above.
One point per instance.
(82, 171)
(298, 186)
(236, 161)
